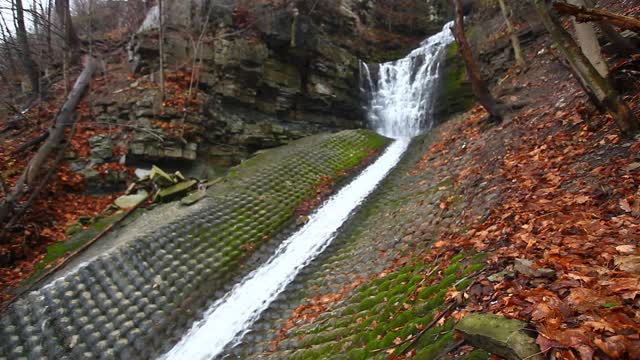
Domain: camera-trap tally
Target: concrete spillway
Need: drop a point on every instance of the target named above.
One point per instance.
(399, 104)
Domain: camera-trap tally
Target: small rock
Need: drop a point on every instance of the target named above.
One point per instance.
(498, 277)
(129, 201)
(101, 148)
(142, 173)
(144, 112)
(73, 229)
(626, 249)
(630, 264)
(525, 267)
(500, 336)
(176, 191)
(77, 165)
(301, 220)
(193, 198)
(632, 166)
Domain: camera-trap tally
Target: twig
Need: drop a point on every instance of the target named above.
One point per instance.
(31, 143)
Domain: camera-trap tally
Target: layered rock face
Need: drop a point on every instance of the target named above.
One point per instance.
(273, 71)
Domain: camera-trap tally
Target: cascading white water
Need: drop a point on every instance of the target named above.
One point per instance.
(400, 84)
(400, 102)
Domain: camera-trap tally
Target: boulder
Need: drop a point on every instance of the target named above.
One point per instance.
(499, 335)
(101, 148)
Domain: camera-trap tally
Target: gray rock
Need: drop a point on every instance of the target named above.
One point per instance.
(129, 201)
(499, 335)
(101, 148)
(77, 165)
(525, 267)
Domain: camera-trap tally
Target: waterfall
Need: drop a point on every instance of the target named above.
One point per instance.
(399, 107)
(400, 103)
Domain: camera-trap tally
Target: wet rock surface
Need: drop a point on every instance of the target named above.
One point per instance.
(134, 301)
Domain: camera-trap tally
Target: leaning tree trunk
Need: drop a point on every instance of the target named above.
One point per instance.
(594, 84)
(515, 41)
(588, 41)
(65, 118)
(29, 64)
(479, 87)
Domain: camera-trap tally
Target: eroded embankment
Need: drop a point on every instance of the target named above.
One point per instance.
(136, 300)
(372, 288)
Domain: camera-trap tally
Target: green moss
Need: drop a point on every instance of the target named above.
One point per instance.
(472, 269)
(476, 355)
(456, 95)
(58, 250)
(452, 269)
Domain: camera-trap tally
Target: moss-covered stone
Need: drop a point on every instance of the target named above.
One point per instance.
(455, 94)
(500, 336)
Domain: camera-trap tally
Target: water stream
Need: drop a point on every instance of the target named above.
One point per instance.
(400, 104)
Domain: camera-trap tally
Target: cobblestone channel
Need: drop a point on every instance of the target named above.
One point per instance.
(368, 290)
(137, 300)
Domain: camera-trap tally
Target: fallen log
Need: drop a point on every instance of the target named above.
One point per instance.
(586, 14)
(65, 118)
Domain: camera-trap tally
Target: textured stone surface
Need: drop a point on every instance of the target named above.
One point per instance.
(134, 302)
(368, 288)
(500, 336)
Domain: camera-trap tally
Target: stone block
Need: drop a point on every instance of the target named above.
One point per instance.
(499, 335)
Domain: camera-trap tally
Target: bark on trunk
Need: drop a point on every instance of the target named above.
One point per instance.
(588, 41)
(29, 64)
(479, 87)
(596, 86)
(584, 14)
(515, 41)
(64, 119)
(49, 47)
(63, 11)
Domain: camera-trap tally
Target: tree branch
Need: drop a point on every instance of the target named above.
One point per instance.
(585, 14)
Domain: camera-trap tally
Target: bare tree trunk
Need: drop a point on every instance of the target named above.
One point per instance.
(161, 47)
(63, 11)
(594, 84)
(49, 47)
(515, 41)
(588, 41)
(34, 8)
(29, 64)
(65, 118)
(66, 64)
(619, 42)
(479, 87)
(9, 44)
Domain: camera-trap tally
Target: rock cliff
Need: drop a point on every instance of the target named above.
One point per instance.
(273, 71)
